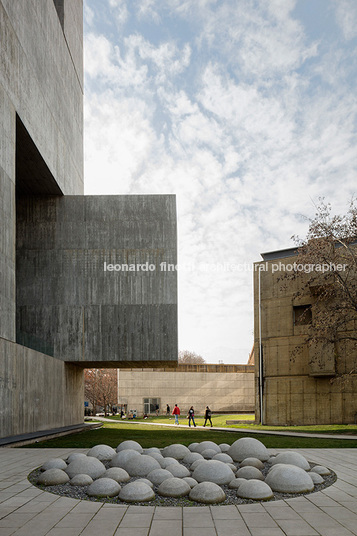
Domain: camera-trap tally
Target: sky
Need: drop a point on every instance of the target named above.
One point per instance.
(246, 110)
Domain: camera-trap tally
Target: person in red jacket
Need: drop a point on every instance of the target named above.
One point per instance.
(176, 412)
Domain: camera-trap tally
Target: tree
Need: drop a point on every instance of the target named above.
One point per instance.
(186, 357)
(101, 387)
(326, 268)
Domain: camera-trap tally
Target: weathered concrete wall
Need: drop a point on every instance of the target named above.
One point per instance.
(40, 89)
(69, 306)
(295, 391)
(222, 388)
(41, 83)
(37, 392)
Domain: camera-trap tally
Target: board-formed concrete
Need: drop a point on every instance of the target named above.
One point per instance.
(91, 283)
(58, 308)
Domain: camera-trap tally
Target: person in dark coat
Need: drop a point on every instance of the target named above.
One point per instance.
(208, 414)
(191, 416)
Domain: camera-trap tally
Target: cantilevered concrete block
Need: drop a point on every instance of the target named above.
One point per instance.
(95, 277)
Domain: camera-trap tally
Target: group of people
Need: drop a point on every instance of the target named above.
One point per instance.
(190, 415)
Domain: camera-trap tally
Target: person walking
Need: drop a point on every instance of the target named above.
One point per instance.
(191, 417)
(176, 412)
(157, 409)
(168, 409)
(208, 414)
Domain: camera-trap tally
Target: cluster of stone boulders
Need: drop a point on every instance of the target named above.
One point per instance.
(199, 471)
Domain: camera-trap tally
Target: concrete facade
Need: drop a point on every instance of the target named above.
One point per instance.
(296, 387)
(70, 299)
(59, 312)
(224, 388)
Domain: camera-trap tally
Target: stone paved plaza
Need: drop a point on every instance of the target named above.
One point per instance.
(28, 511)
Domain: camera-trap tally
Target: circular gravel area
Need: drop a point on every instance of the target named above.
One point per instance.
(80, 492)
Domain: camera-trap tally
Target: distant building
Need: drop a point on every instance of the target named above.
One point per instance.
(293, 389)
(224, 388)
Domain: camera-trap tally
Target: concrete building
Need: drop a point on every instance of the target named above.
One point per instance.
(292, 387)
(224, 388)
(69, 295)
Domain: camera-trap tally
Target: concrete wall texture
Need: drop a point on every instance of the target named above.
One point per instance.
(59, 311)
(296, 387)
(228, 388)
(68, 301)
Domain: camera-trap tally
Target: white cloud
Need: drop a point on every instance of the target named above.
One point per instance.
(247, 129)
(346, 16)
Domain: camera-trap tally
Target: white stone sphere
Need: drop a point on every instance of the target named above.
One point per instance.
(249, 473)
(248, 447)
(192, 447)
(207, 445)
(321, 470)
(116, 473)
(81, 480)
(236, 482)
(253, 462)
(136, 492)
(191, 481)
(224, 447)
(129, 444)
(209, 453)
(75, 455)
(197, 463)
(165, 462)
(178, 470)
(289, 479)
(104, 453)
(213, 471)
(254, 489)
(207, 493)
(222, 457)
(157, 476)
(145, 481)
(192, 457)
(292, 458)
(141, 465)
(87, 466)
(53, 477)
(104, 487)
(121, 458)
(54, 463)
(176, 451)
(317, 479)
(174, 487)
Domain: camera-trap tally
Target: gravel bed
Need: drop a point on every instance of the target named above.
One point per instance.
(79, 492)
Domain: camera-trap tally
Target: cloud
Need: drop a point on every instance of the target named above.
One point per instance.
(236, 110)
(346, 17)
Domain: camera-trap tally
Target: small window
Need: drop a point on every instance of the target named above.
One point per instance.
(151, 405)
(302, 315)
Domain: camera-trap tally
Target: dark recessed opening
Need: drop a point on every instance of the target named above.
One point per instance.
(302, 315)
(33, 176)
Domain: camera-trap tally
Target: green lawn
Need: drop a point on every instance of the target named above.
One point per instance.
(220, 422)
(156, 436)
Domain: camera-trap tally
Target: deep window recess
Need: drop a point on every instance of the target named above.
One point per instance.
(302, 315)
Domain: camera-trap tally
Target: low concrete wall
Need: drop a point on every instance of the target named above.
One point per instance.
(37, 392)
(222, 387)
